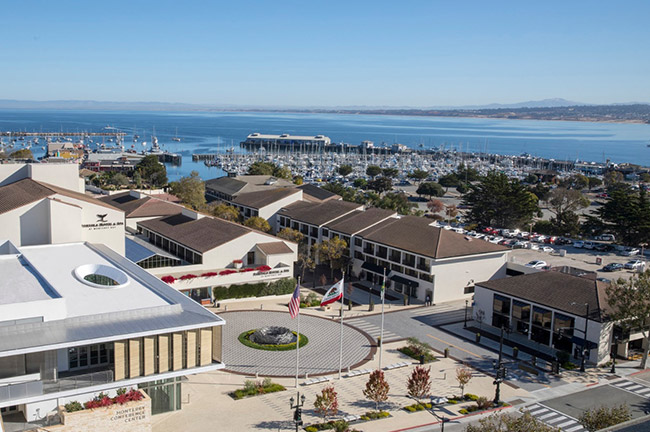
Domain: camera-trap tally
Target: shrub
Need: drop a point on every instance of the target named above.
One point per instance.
(471, 397)
(209, 274)
(226, 272)
(374, 415)
(311, 429)
(168, 279)
(73, 406)
(279, 287)
(483, 403)
(599, 418)
(463, 411)
(417, 407)
(246, 270)
(263, 268)
(253, 388)
(244, 339)
(452, 401)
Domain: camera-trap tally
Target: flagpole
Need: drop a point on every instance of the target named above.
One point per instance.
(342, 312)
(381, 332)
(298, 337)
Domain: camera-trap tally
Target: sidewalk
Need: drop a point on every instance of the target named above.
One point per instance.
(208, 399)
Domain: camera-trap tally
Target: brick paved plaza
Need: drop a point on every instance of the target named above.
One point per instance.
(319, 356)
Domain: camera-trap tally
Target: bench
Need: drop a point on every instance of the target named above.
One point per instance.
(358, 372)
(397, 365)
(351, 418)
(315, 381)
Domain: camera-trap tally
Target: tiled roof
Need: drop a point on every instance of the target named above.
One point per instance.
(26, 191)
(245, 184)
(359, 220)
(261, 199)
(415, 234)
(315, 193)
(318, 213)
(561, 291)
(274, 248)
(200, 235)
(140, 207)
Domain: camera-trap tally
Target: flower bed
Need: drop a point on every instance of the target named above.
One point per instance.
(244, 339)
(247, 269)
(209, 274)
(168, 279)
(103, 400)
(263, 268)
(254, 388)
(188, 276)
(332, 424)
(227, 272)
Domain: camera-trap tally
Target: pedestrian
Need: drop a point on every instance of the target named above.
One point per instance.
(428, 301)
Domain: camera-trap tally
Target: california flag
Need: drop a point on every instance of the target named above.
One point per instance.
(333, 294)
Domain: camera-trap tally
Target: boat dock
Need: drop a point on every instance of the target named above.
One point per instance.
(18, 134)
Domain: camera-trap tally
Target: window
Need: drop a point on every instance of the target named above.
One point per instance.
(369, 249)
(424, 264)
(397, 268)
(89, 356)
(314, 232)
(468, 290)
(426, 277)
(541, 329)
(325, 232)
(250, 258)
(500, 311)
(358, 255)
(408, 260)
(395, 256)
(521, 317)
(382, 252)
(358, 241)
(563, 327)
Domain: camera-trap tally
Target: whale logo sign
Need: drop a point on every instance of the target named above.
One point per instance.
(102, 217)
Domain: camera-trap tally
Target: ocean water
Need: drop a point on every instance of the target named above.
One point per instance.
(205, 132)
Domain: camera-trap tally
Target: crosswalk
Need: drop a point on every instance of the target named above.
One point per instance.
(554, 418)
(633, 387)
(439, 314)
(373, 330)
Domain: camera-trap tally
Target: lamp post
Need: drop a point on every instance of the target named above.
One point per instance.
(584, 341)
(297, 414)
(466, 305)
(500, 368)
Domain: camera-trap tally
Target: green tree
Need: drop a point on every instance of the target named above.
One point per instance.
(499, 201)
(394, 201)
(462, 188)
(377, 388)
(291, 235)
(332, 250)
(298, 180)
(418, 176)
(152, 171)
(595, 419)
(612, 177)
(531, 179)
(576, 181)
(500, 422)
(347, 193)
(345, 170)
(190, 190)
(327, 403)
(430, 189)
(225, 211)
(119, 180)
(540, 190)
(467, 174)
(261, 168)
(21, 154)
(644, 177)
(390, 172)
(381, 184)
(449, 180)
(594, 182)
(563, 203)
(630, 303)
(625, 214)
(283, 173)
(360, 183)
(258, 223)
(373, 171)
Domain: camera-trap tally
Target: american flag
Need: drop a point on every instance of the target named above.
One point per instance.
(294, 304)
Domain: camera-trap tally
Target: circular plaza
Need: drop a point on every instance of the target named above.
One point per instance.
(320, 356)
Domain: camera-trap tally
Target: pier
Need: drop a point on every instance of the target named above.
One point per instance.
(61, 134)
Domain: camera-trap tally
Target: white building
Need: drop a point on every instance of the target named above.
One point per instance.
(548, 310)
(209, 245)
(34, 212)
(78, 319)
(285, 140)
(63, 175)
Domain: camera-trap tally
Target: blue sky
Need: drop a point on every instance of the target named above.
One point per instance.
(397, 53)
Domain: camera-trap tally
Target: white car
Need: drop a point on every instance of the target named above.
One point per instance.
(588, 245)
(548, 249)
(536, 264)
(633, 264)
(630, 252)
(578, 244)
(496, 239)
(534, 246)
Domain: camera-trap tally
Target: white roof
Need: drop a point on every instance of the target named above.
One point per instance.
(287, 136)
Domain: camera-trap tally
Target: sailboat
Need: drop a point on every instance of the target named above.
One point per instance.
(175, 137)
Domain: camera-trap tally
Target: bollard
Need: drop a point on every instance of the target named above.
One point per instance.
(446, 352)
(421, 359)
(225, 308)
(348, 369)
(306, 375)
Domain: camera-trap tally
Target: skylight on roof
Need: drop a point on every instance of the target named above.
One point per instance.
(101, 276)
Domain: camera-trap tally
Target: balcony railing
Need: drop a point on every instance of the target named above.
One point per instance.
(73, 382)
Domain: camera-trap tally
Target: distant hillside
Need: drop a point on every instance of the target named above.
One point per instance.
(638, 113)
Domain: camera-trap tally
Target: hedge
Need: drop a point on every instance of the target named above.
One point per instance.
(279, 287)
(244, 339)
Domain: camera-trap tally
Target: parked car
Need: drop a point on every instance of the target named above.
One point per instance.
(607, 237)
(537, 264)
(534, 246)
(548, 249)
(633, 264)
(550, 240)
(630, 252)
(578, 244)
(612, 267)
(602, 247)
(563, 241)
(519, 245)
(588, 245)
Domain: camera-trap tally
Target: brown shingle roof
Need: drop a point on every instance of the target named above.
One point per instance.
(314, 193)
(26, 191)
(359, 220)
(414, 234)
(140, 207)
(245, 184)
(258, 200)
(558, 291)
(274, 248)
(318, 213)
(201, 235)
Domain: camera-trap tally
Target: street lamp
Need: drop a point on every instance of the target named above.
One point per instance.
(584, 341)
(466, 305)
(297, 414)
(500, 367)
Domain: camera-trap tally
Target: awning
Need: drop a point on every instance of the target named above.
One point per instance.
(374, 268)
(405, 281)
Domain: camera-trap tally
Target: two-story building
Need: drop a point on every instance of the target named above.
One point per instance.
(78, 319)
